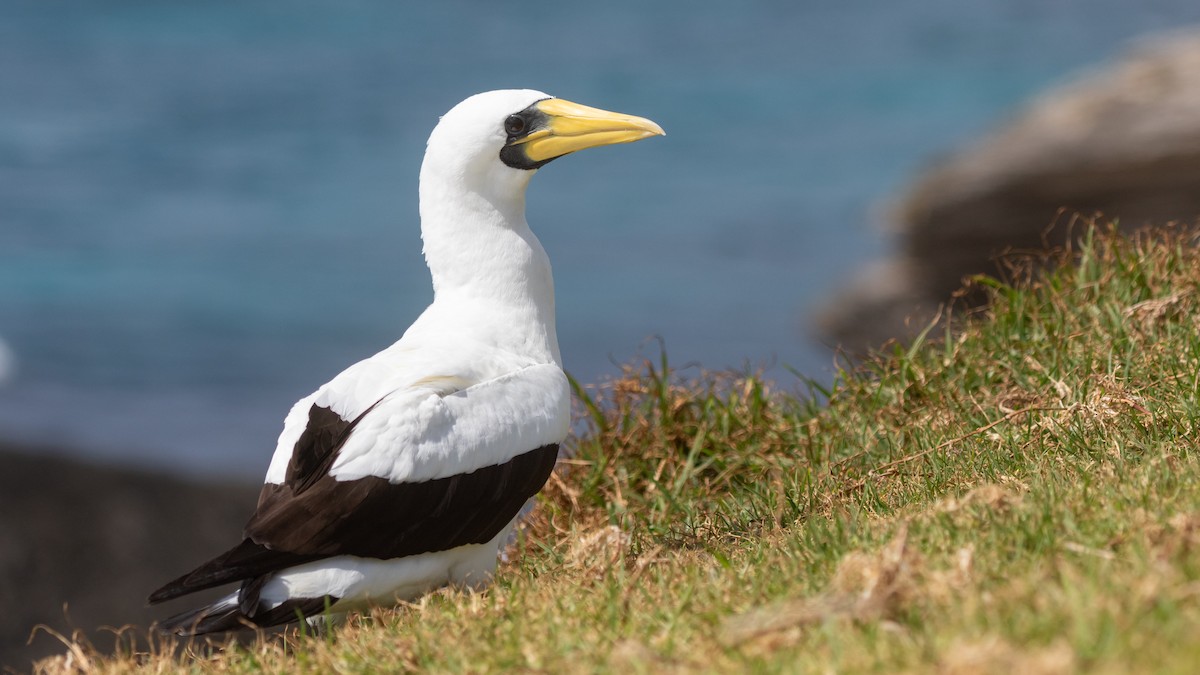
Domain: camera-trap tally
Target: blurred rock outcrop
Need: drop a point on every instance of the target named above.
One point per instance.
(98, 540)
(1123, 141)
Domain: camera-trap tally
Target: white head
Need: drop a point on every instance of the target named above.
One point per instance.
(478, 163)
(492, 143)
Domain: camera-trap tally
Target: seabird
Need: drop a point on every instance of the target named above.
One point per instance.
(406, 471)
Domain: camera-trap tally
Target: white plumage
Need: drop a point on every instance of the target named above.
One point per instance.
(406, 471)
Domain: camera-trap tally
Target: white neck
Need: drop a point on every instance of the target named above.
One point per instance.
(485, 261)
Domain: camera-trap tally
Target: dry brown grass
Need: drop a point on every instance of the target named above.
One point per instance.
(1020, 495)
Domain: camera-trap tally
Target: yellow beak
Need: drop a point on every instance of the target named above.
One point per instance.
(574, 127)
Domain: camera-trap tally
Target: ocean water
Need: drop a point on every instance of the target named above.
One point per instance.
(208, 209)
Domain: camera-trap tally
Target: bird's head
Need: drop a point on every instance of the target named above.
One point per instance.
(494, 141)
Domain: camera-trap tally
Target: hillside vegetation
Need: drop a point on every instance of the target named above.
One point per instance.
(1020, 494)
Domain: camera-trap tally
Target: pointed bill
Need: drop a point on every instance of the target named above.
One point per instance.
(571, 127)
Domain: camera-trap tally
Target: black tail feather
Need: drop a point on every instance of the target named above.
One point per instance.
(294, 610)
(225, 615)
(244, 561)
(214, 618)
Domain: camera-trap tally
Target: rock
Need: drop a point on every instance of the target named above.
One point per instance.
(880, 304)
(1123, 141)
(8, 363)
(98, 540)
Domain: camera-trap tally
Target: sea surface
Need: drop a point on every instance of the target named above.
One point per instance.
(207, 209)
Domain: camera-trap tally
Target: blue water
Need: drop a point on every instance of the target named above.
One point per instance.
(209, 208)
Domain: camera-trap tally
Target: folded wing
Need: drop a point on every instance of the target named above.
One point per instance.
(417, 471)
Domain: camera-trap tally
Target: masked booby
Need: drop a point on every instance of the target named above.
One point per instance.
(406, 471)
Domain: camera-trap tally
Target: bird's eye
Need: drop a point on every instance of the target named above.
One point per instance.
(514, 125)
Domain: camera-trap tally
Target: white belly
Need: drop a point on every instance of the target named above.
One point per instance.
(364, 582)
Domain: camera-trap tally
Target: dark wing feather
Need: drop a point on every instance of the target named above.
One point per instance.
(244, 561)
(312, 455)
(372, 518)
(318, 445)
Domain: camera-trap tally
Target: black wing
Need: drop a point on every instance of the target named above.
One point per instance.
(312, 516)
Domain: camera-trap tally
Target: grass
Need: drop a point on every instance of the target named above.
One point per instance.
(1020, 494)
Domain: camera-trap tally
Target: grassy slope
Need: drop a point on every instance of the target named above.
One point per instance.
(1023, 495)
